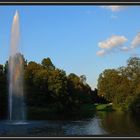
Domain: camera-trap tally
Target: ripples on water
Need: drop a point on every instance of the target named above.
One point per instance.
(114, 124)
(52, 128)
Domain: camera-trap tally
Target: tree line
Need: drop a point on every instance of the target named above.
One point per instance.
(121, 86)
(46, 86)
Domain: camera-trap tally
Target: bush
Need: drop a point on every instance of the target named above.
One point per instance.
(135, 104)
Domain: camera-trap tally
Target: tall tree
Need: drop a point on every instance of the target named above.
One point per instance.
(47, 63)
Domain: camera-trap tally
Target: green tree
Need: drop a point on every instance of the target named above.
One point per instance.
(57, 85)
(3, 92)
(121, 86)
(79, 92)
(47, 63)
(31, 90)
(31, 70)
(133, 68)
(107, 82)
(6, 67)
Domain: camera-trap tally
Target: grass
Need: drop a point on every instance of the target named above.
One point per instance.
(104, 107)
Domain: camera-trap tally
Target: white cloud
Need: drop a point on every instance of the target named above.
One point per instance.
(101, 53)
(136, 41)
(116, 43)
(114, 8)
(125, 49)
(112, 42)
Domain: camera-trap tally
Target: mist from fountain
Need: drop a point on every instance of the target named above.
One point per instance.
(16, 107)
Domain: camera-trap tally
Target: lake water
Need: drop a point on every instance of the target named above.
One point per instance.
(102, 124)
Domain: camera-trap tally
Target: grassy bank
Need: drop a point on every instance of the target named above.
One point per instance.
(104, 107)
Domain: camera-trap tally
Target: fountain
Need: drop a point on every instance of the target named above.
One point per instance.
(16, 107)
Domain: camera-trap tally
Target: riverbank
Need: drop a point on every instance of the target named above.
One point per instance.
(83, 111)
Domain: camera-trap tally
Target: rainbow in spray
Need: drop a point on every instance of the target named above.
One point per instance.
(15, 75)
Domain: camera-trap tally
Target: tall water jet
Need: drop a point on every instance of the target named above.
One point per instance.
(15, 75)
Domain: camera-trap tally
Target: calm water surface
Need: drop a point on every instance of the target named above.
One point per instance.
(104, 123)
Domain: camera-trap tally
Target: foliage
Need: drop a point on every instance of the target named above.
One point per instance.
(121, 86)
(47, 85)
(134, 105)
(47, 63)
(79, 91)
(3, 92)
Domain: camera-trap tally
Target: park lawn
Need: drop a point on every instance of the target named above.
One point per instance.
(104, 107)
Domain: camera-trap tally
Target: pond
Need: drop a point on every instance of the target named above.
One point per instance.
(102, 124)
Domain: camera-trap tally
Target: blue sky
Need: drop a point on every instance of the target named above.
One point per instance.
(70, 36)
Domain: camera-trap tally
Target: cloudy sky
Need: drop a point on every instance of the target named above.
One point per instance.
(79, 39)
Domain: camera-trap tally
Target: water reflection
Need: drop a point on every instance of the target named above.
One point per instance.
(87, 127)
(120, 123)
(103, 123)
(53, 128)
